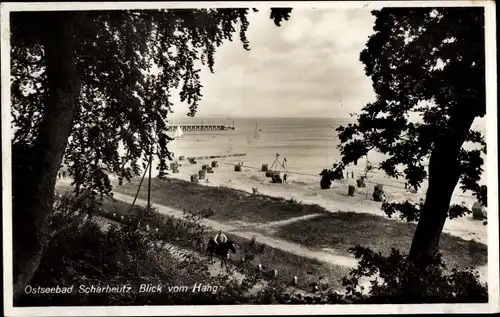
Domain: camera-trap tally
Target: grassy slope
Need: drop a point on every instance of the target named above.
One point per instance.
(228, 204)
(340, 230)
(288, 265)
(345, 229)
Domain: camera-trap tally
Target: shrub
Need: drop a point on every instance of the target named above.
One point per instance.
(393, 280)
(399, 281)
(85, 254)
(82, 253)
(328, 175)
(184, 232)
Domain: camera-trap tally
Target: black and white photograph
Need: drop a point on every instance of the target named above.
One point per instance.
(228, 158)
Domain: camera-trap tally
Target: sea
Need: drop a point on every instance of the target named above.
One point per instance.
(307, 144)
(301, 146)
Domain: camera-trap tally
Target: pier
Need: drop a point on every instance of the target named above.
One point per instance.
(200, 127)
(216, 156)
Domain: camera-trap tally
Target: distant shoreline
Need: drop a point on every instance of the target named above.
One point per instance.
(228, 117)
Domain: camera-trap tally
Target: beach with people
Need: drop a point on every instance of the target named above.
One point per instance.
(232, 164)
(307, 146)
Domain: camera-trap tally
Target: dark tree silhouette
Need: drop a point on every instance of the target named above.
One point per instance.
(427, 63)
(81, 85)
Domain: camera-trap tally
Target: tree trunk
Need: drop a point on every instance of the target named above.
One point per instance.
(444, 173)
(443, 178)
(35, 178)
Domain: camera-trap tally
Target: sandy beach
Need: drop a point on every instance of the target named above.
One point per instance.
(306, 189)
(309, 145)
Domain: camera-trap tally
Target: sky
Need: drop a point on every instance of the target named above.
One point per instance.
(308, 67)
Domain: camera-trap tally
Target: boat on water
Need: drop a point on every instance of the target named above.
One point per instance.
(178, 132)
(256, 135)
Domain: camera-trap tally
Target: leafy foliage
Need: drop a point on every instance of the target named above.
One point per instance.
(387, 279)
(328, 175)
(120, 71)
(280, 14)
(87, 254)
(425, 64)
(183, 231)
(130, 65)
(433, 284)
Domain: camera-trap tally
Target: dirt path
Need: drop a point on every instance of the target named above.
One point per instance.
(331, 257)
(214, 269)
(282, 245)
(287, 221)
(245, 231)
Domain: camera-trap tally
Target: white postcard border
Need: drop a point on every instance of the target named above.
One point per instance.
(492, 159)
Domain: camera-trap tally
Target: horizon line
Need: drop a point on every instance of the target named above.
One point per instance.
(229, 117)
